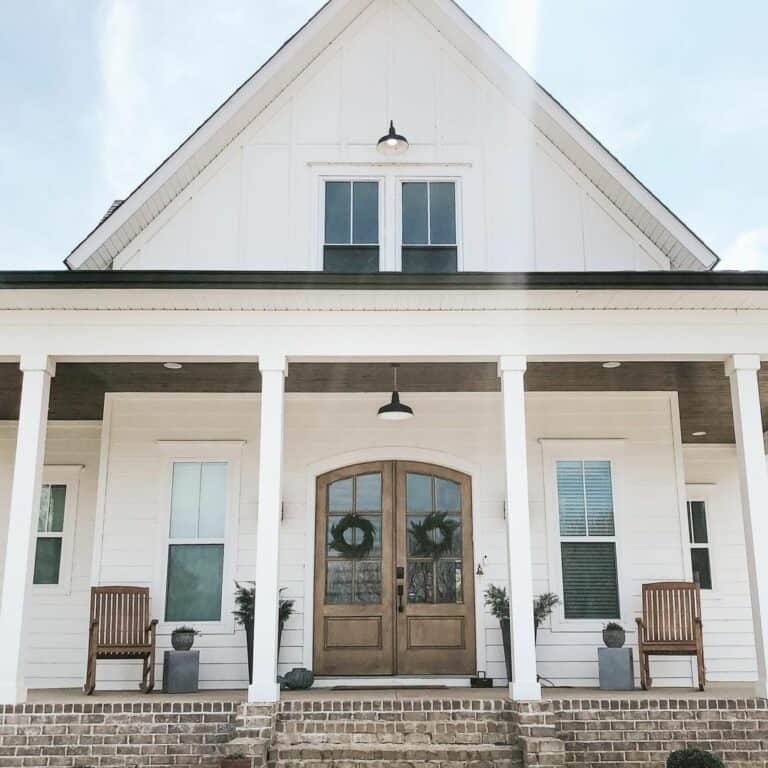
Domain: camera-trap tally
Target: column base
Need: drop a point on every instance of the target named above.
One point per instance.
(263, 692)
(525, 691)
(13, 694)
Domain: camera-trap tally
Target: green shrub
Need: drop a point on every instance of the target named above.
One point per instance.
(693, 758)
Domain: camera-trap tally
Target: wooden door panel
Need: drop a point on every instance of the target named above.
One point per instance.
(436, 627)
(354, 632)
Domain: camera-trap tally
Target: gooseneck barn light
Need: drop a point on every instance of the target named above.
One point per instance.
(394, 410)
(392, 143)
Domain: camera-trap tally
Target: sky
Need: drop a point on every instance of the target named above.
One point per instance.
(94, 94)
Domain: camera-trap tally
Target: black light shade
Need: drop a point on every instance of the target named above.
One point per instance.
(392, 143)
(394, 410)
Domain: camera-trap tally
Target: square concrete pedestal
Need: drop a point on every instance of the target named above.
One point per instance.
(181, 671)
(616, 669)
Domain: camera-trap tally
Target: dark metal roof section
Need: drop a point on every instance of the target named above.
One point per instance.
(719, 280)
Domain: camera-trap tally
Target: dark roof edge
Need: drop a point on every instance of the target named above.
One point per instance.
(248, 280)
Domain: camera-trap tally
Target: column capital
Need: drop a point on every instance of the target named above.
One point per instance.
(512, 363)
(37, 361)
(742, 363)
(273, 361)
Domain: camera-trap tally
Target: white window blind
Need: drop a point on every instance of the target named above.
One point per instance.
(587, 539)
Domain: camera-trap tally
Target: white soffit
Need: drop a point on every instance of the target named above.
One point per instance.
(98, 249)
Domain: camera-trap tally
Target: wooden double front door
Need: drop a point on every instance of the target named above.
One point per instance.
(394, 573)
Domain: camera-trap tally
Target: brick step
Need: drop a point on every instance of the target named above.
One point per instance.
(376, 755)
(446, 731)
(404, 733)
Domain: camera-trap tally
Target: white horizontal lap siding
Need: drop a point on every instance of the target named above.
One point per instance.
(57, 630)
(647, 517)
(135, 516)
(729, 649)
(324, 432)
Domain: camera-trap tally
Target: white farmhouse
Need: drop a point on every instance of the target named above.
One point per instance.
(207, 395)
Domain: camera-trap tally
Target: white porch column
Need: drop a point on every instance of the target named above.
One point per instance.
(25, 503)
(753, 477)
(524, 684)
(264, 686)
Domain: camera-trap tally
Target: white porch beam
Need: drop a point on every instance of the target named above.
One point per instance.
(524, 684)
(264, 686)
(25, 502)
(753, 477)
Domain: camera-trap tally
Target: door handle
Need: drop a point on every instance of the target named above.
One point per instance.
(399, 598)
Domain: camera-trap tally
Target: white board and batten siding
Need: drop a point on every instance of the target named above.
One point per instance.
(523, 205)
(328, 431)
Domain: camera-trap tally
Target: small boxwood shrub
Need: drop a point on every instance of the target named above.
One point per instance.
(693, 758)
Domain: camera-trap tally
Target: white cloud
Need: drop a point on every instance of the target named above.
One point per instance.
(748, 251)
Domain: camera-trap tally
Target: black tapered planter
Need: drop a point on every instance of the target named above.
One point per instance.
(506, 640)
(249, 645)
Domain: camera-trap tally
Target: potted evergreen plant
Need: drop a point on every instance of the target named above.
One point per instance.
(244, 601)
(497, 600)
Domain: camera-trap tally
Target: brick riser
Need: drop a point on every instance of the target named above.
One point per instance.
(429, 733)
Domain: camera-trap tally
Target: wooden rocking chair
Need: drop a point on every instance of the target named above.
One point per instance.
(120, 628)
(671, 626)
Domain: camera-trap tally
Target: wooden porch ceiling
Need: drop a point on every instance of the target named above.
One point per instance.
(78, 388)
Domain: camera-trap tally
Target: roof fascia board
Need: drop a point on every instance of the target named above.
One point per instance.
(657, 280)
(487, 55)
(254, 94)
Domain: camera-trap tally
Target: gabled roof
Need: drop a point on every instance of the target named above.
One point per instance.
(681, 245)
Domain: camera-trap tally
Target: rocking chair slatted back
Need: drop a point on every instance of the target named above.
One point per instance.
(670, 626)
(121, 628)
(669, 611)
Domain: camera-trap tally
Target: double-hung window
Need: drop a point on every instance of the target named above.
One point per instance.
(698, 536)
(49, 545)
(351, 239)
(587, 539)
(429, 241)
(196, 538)
(55, 530)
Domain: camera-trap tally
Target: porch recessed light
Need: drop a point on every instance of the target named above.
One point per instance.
(700, 433)
(392, 142)
(173, 366)
(612, 364)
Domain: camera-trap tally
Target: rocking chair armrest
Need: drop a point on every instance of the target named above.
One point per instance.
(640, 627)
(151, 626)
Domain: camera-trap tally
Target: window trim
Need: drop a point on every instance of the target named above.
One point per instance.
(229, 452)
(583, 450)
(67, 475)
(701, 492)
(381, 181)
(458, 200)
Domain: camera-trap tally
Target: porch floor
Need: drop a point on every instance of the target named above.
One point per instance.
(75, 695)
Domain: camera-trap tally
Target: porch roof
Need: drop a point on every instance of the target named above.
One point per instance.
(78, 389)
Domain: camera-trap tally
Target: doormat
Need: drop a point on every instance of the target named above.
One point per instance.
(387, 687)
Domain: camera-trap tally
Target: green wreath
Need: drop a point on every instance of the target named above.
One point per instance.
(422, 534)
(342, 546)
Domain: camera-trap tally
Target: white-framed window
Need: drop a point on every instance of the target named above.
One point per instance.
(200, 522)
(351, 225)
(429, 225)
(582, 497)
(55, 533)
(699, 543)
